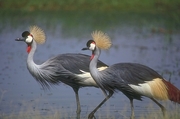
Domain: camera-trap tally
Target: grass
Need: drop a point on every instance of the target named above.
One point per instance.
(29, 113)
(151, 111)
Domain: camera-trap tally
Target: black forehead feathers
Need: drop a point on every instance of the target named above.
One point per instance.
(25, 34)
(89, 42)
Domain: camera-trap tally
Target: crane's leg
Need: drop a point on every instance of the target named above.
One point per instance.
(132, 109)
(163, 109)
(78, 111)
(91, 115)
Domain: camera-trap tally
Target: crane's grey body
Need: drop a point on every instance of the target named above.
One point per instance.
(120, 77)
(71, 69)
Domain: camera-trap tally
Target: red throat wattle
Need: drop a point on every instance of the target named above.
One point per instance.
(28, 49)
(92, 56)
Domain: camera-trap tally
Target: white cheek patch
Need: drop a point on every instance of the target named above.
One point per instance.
(92, 46)
(29, 39)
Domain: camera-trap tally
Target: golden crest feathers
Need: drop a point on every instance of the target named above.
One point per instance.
(102, 40)
(38, 34)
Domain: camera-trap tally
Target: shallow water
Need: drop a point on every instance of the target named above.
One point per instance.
(140, 40)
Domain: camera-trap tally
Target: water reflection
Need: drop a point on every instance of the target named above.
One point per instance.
(133, 41)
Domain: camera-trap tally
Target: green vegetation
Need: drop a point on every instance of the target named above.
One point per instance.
(79, 23)
(93, 5)
(157, 15)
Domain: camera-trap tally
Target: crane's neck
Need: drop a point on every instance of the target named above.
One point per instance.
(93, 64)
(32, 67)
(95, 73)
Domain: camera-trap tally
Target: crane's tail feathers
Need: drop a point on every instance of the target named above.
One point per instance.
(158, 89)
(163, 90)
(173, 92)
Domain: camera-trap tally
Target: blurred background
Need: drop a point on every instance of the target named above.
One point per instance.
(146, 32)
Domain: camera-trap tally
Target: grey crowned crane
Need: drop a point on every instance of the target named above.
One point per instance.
(71, 69)
(132, 79)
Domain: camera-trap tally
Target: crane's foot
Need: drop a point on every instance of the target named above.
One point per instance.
(91, 116)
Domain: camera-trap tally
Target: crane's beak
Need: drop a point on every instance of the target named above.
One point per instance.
(20, 39)
(85, 48)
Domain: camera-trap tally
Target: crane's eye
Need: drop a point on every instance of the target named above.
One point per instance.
(29, 39)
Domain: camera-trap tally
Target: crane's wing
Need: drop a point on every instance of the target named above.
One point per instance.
(77, 69)
(71, 69)
(75, 63)
(134, 73)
